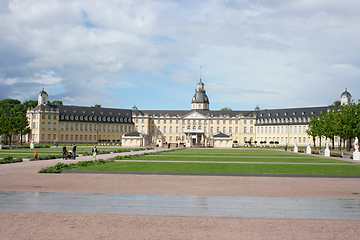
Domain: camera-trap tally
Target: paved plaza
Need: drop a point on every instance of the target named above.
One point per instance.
(113, 206)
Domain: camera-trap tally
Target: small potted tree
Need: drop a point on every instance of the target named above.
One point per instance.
(255, 143)
(118, 141)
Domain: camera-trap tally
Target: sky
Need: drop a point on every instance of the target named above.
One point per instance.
(274, 54)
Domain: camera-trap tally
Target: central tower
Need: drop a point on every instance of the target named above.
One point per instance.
(200, 101)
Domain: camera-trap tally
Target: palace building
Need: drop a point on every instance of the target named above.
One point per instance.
(199, 126)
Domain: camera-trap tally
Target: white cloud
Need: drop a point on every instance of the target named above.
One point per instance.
(271, 53)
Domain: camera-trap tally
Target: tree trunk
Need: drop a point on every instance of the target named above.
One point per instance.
(349, 144)
(320, 144)
(340, 140)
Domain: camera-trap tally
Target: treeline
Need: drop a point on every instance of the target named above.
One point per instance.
(342, 121)
(13, 120)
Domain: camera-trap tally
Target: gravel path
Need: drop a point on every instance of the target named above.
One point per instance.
(24, 177)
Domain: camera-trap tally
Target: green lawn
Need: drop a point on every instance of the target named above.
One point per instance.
(43, 152)
(238, 155)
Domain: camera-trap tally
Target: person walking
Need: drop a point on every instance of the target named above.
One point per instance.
(74, 150)
(94, 152)
(64, 151)
(36, 156)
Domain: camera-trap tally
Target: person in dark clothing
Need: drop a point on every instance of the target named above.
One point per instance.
(64, 151)
(74, 150)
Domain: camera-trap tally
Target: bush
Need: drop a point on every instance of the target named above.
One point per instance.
(58, 168)
(8, 159)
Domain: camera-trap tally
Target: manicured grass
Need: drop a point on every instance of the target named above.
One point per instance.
(43, 152)
(240, 159)
(231, 168)
(294, 169)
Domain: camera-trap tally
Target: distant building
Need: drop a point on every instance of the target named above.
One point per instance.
(196, 127)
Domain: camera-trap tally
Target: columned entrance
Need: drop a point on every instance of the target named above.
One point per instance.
(195, 137)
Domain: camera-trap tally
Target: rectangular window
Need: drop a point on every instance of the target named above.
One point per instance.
(42, 136)
(130, 128)
(170, 139)
(245, 121)
(76, 137)
(117, 128)
(125, 128)
(230, 129)
(251, 129)
(152, 129)
(177, 129)
(81, 137)
(76, 126)
(90, 136)
(66, 137)
(43, 125)
(71, 137)
(54, 117)
(62, 137)
(143, 128)
(113, 128)
(49, 126)
(236, 129)
(71, 126)
(108, 128)
(49, 116)
(164, 129)
(54, 125)
(95, 127)
(211, 129)
(218, 129)
(104, 127)
(224, 129)
(49, 136)
(245, 129)
(170, 129)
(121, 128)
(42, 116)
(81, 126)
(54, 137)
(85, 137)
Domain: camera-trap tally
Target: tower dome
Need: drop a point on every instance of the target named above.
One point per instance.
(345, 97)
(200, 100)
(42, 97)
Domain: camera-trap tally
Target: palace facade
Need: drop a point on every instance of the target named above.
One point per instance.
(196, 127)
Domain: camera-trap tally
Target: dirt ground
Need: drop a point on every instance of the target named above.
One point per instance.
(24, 177)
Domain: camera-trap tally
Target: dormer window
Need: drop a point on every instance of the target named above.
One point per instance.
(294, 113)
(285, 114)
(303, 113)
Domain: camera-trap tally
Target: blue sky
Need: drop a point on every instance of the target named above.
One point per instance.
(275, 54)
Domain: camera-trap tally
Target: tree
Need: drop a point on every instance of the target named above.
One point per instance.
(337, 104)
(56, 102)
(20, 123)
(97, 106)
(8, 104)
(226, 109)
(30, 104)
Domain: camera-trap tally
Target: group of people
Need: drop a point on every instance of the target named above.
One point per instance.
(67, 155)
